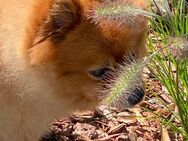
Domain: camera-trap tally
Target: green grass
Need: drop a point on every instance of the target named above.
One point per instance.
(170, 66)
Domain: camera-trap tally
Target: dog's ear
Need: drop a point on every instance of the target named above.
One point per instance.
(51, 25)
(63, 16)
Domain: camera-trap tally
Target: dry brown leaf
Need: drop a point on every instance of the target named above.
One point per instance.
(117, 129)
(164, 134)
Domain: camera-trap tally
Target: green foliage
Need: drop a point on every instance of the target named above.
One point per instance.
(170, 66)
(172, 22)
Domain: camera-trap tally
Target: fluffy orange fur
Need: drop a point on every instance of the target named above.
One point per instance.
(47, 48)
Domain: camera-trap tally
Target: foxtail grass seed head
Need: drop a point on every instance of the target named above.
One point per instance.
(119, 12)
(179, 48)
(122, 83)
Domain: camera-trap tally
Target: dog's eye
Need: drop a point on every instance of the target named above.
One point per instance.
(99, 73)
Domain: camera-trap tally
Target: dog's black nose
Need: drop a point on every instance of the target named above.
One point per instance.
(136, 96)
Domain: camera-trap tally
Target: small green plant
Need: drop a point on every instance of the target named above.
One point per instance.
(170, 66)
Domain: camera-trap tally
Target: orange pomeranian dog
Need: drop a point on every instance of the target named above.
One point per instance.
(52, 58)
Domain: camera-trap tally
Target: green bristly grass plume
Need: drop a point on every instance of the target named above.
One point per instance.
(179, 48)
(120, 12)
(126, 80)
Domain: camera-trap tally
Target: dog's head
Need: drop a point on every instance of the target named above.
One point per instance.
(76, 51)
